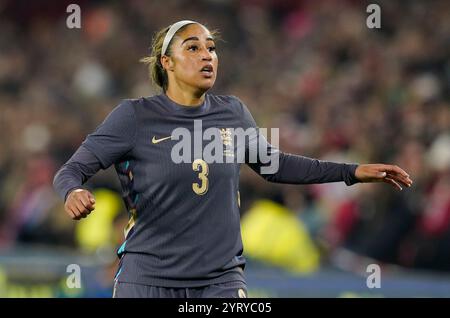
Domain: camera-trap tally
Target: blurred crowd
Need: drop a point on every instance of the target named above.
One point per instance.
(336, 89)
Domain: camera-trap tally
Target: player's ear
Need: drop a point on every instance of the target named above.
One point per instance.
(167, 63)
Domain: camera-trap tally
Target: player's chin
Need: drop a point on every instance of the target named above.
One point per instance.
(206, 83)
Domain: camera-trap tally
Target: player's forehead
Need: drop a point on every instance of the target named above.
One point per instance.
(195, 32)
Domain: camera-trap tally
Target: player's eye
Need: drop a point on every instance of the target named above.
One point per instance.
(192, 48)
(212, 48)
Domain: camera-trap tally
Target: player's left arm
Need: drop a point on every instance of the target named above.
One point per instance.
(296, 169)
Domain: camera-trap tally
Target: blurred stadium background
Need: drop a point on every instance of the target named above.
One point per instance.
(337, 89)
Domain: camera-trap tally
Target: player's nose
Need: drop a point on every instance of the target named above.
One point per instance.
(206, 55)
(207, 58)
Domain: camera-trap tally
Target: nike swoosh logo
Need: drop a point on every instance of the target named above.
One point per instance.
(155, 141)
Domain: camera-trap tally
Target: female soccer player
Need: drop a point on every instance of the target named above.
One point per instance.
(183, 237)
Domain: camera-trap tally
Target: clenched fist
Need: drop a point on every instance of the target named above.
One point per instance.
(79, 204)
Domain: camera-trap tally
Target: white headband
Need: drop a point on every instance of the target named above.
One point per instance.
(172, 30)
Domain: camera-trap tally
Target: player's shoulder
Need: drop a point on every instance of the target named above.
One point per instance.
(152, 102)
(224, 99)
(135, 105)
(238, 107)
(125, 107)
(132, 102)
(231, 102)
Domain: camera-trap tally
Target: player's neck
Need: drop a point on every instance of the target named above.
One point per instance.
(185, 98)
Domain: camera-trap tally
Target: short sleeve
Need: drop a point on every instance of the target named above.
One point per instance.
(114, 137)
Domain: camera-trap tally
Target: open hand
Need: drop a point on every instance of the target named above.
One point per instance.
(79, 204)
(390, 174)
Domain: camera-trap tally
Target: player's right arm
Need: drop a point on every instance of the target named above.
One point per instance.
(68, 182)
(114, 138)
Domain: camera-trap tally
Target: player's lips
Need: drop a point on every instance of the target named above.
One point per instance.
(207, 70)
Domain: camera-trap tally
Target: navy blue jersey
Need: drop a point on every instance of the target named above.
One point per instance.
(184, 228)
